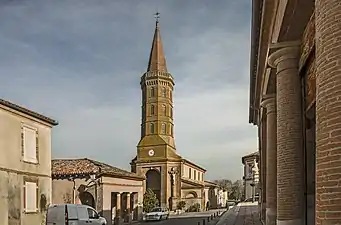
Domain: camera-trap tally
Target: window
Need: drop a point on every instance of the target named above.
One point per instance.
(29, 142)
(82, 213)
(163, 128)
(30, 197)
(152, 128)
(164, 113)
(190, 173)
(152, 110)
(171, 112)
(172, 130)
(163, 92)
(92, 214)
(152, 91)
(195, 174)
(202, 176)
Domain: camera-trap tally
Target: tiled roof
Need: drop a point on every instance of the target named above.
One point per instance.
(64, 167)
(193, 182)
(28, 112)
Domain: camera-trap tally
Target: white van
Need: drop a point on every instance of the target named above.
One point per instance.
(73, 214)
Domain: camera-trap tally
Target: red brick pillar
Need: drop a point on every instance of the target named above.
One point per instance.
(269, 102)
(328, 112)
(290, 170)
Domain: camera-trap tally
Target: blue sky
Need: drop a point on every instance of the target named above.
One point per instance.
(80, 62)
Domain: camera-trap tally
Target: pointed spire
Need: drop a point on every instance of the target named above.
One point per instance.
(157, 60)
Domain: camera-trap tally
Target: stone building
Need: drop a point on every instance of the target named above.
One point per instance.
(295, 84)
(115, 193)
(25, 165)
(170, 176)
(251, 175)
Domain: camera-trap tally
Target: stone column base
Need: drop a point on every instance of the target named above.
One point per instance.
(270, 216)
(290, 222)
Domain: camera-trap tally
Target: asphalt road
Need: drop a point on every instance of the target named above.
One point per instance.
(176, 221)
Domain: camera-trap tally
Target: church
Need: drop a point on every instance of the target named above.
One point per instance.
(171, 177)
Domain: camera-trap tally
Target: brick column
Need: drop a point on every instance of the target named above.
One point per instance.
(328, 111)
(269, 102)
(263, 166)
(290, 170)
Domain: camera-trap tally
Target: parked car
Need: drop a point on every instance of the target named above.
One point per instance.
(157, 213)
(73, 214)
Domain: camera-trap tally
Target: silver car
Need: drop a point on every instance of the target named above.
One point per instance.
(157, 213)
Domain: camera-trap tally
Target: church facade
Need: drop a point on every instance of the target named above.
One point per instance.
(171, 177)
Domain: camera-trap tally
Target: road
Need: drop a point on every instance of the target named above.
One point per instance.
(176, 221)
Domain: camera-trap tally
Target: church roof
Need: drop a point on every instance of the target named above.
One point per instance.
(85, 167)
(157, 59)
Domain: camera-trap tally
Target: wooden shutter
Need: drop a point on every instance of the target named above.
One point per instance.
(37, 146)
(22, 142)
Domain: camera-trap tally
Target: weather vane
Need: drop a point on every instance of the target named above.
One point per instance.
(157, 16)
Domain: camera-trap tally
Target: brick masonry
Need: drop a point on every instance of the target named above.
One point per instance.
(328, 112)
(269, 102)
(290, 179)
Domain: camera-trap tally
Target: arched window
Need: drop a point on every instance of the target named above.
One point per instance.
(152, 128)
(152, 110)
(164, 113)
(152, 91)
(163, 128)
(163, 92)
(171, 112)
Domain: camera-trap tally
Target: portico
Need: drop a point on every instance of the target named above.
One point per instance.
(294, 100)
(115, 193)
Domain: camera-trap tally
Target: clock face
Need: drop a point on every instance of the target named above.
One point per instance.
(151, 152)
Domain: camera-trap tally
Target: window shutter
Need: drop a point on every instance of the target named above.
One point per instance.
(22, 142)
(37, 146)
(24, 196)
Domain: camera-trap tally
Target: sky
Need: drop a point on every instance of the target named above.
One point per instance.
(80, 62)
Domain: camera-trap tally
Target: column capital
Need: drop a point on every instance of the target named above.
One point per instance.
(128, 194)
(283, 51)
(118, 193)
(269, 102)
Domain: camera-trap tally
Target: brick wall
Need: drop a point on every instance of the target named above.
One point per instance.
(328, 111)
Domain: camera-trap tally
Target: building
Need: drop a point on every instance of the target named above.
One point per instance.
(25, 165)
(115, 193)
(213, 195)
(251, 175)
(171, 177)
(295, 82)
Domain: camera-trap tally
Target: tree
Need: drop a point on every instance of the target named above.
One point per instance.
(150, 200)
(236, 190)
(224, 184)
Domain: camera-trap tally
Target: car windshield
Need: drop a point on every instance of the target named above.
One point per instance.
(156, 210)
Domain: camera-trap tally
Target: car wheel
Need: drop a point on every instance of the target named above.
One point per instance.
(167, 217)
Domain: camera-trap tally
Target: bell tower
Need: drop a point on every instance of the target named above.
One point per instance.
(156, 154)
(157, 85)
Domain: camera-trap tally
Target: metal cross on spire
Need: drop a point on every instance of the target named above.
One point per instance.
(157, 16)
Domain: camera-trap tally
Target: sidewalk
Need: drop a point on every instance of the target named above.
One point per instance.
(198, 214)
(242, 214)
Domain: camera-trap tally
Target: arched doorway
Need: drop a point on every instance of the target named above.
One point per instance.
(87, 199)
(153, 181)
